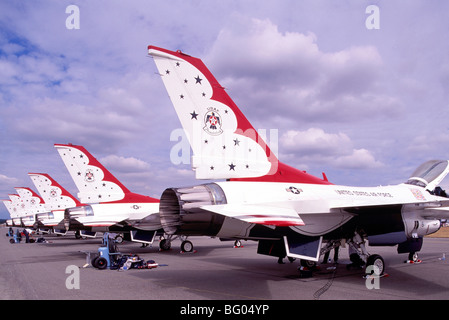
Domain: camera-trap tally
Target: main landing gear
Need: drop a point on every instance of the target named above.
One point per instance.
(359, 256)
(374, 264)
(165, 243)
(413, 258)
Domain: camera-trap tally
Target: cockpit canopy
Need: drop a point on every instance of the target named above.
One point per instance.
(429, 174)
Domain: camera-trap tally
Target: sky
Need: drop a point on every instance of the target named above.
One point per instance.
(355, 89)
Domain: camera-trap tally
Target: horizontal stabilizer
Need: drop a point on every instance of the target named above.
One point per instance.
(259, 214)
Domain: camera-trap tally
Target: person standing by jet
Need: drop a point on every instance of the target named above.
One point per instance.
(27, 235)
(18, 235)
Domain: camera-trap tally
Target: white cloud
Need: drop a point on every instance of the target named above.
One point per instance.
(380, 95)
(314, 146)
(125, 164)
(315, 141)
(359, 159)
(268, 70)
(5, 180)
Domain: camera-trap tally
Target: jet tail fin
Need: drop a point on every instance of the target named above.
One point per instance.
(224, 143)
(94, 182)
(17, 209)
(54, 195)
(30, 201)
(9, 207)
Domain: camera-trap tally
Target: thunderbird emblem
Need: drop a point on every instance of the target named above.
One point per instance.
(89, 176)
(212, 123)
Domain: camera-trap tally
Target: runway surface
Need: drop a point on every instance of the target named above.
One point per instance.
(217, 271)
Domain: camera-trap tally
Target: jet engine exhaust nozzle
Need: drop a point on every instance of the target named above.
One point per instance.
(181, 213)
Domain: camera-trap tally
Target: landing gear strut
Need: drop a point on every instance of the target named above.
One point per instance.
(413, 258)
(360, 256)
(165, 243)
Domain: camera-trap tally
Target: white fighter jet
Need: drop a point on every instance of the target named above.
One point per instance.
(290, 212)
(56, 199)
(29, 203)
(107, 204)
(13, 213)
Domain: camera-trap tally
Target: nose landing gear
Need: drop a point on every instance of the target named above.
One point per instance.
(413, 258)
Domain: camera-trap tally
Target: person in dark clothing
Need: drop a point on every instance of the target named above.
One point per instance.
(27, 235)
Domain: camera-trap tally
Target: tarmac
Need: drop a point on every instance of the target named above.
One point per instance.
(214, 271)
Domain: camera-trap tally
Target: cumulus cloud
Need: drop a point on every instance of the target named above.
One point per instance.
(125, 164)
(315, 146)
(287, 71)
(358, 159)
(315, 141)
(10, 181)
(7, 184)
(341, 96)
(47, 97)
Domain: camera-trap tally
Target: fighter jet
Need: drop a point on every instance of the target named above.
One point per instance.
(288, 211)
(29, 203)
(108, 204)
(15, 209)
(56, 199)
(9, 206)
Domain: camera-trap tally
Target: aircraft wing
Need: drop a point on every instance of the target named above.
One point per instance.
(259, 214)
(272, 215)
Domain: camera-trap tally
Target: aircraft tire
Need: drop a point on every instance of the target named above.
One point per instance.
(187, 246)
(413, 256)
(118, 239)
(378, 261)
(307, 263)
(164, 245)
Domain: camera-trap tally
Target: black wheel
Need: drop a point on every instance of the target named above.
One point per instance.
(11, 241)
(93, 260)
(413, 256)
(307, 263)
(101, 263)
(237, 243)
(165, 244)
(376, 261)
(187, 246)
(118, 239)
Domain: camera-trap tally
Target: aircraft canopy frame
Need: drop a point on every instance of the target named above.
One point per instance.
(429, 174)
